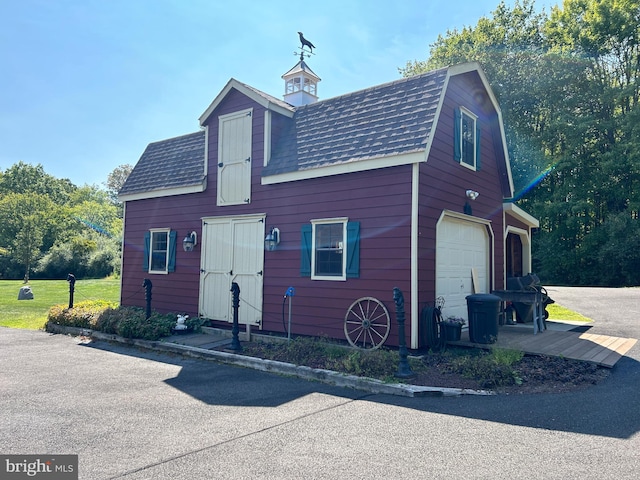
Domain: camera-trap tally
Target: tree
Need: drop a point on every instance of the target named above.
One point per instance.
(23, 225)
(25, 178)
(116, 180)
(568, 85)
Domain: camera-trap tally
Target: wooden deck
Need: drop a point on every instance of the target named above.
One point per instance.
(599, 349)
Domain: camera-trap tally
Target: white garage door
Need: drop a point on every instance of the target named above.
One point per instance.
(460, 247)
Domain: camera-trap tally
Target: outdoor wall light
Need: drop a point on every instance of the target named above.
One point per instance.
(471, 195)
(272, 239)
(190, 241)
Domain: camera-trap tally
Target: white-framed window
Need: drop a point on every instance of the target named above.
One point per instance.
(159, 250)
(467, 139)
(330, 249)
(328, 261)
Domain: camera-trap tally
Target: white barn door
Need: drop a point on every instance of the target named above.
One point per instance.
(234, 158)
(232, 251)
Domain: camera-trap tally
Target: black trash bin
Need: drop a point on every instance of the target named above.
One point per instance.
(484, 314)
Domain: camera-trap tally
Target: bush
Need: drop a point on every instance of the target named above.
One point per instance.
(83, 315)
(128, 322)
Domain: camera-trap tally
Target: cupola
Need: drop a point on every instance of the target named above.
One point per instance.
(300, 85)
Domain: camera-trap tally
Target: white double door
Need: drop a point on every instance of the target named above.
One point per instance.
(232, 251)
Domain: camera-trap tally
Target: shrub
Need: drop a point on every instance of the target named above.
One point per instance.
(128, 322)
(84, 314)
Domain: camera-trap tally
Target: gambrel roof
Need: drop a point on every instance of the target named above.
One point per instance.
(367, 129)
(390, 119)
(168, 167)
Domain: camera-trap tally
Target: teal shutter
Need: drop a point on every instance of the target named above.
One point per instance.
(353, 249)
(477, 145)
(173, 237)
(147, 246)
(305, 251)
(457, 139)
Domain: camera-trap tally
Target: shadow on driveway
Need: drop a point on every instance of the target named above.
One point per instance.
(609, 409)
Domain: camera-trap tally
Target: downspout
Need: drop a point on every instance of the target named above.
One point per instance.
(415, 183)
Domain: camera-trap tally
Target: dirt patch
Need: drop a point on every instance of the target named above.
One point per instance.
(534, 374)
(455, 368)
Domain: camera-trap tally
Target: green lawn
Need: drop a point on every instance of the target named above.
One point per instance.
(32, 314)
(558, 312)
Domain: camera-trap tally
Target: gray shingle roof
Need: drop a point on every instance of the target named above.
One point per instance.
(174, 163)
(388, 119)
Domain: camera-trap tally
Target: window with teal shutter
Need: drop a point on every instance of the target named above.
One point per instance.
(159, 251)
(323, 255)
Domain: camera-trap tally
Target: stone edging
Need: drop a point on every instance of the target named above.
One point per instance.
(316, 374)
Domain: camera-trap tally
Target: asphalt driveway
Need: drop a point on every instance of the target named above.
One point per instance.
(137, 414)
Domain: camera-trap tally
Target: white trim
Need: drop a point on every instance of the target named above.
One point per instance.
(474, 117)
(166, 259)
(234, 217)
(267, 138)
(526, 249)
(478, 220)
(206, 151)
(350, 166)
(252, 94)
(467, 68)
(164, 192)
(124, 219)
(415, 196)
(328, 221)
(519, 214)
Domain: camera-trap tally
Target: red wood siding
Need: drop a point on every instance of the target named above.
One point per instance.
(380, 200)
(443, 181)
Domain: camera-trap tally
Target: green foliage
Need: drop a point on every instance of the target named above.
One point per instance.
(568, 85)
(128, 322)
(83, 314)
(497, 368)
(50, 227)
(32, 314)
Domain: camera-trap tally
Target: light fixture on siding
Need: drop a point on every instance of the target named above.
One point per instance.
(471, 195)
(190, 241)
(272, 239)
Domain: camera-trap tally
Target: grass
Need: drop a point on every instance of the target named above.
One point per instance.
(558, 312)
(32, 314)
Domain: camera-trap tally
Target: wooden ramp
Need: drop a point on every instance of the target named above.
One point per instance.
(602, 350)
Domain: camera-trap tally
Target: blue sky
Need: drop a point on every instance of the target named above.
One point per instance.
(85, 85)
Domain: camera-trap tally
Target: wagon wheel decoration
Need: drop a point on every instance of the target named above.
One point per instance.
(367, 323)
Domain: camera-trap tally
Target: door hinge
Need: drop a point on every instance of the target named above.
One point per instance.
(202, 270)
(220, 165)
(231, 272)
(259, 273)
(248, 159)
(246, 200)
(249, 113)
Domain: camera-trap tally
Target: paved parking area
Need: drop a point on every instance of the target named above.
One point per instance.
(135, 414)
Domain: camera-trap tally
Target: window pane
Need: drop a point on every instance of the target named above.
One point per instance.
(468, 133)
(159, 251)
(329, 249)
